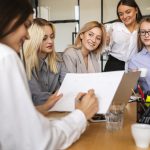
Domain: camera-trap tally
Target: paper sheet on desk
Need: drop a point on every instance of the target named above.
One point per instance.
(105, 85)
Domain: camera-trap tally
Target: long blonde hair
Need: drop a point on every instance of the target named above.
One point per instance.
(32, 46)
(88, 26)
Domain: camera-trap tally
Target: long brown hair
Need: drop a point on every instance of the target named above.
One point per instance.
(10, 10)
(133, 4)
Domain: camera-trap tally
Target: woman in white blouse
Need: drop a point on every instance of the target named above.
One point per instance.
(122, 43)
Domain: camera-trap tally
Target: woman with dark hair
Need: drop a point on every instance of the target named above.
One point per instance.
(142, 58)
(130, 3)
(122, 36)
(22, 127)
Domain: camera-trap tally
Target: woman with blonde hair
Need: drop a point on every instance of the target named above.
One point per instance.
(84, 55)
(45, 69)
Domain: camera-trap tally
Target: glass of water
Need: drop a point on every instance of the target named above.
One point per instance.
(115, 117)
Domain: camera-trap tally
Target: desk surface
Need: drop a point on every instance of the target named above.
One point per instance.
(96, 137)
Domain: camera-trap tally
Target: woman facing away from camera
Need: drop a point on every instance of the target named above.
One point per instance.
(45, 69)
(142, 58)
(122, 36)
(22, 127)
(84, 55)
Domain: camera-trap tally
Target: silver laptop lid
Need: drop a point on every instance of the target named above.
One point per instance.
(124, 91)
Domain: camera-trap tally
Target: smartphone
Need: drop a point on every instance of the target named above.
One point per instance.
(98, 118)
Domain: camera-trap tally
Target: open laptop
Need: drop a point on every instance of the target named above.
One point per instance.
(123, 92)
(125, 87)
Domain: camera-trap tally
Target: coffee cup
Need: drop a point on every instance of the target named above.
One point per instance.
(143, 72)
(141, 134)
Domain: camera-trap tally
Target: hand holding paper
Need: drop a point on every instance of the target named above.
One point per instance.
(87, 103)
(104, 84)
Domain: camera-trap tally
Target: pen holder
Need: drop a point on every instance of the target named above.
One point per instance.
(143, 112)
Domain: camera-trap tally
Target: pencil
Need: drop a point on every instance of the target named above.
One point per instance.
(133, 92)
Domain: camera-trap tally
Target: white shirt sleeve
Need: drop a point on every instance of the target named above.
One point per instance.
(22, 127)
(71, 130)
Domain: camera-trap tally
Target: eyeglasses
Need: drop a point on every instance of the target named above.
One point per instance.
(144, 32)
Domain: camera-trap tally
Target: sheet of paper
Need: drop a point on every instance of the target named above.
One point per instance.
(105, 85)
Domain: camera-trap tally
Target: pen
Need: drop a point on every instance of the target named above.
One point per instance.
(81, 97)
(133, 92)
(148, 99)
(139, 101)
(141, 92)
(145, 117)
(135, 98)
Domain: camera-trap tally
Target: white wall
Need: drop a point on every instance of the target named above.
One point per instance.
(60, 9)
(144, 6)
(89, 10)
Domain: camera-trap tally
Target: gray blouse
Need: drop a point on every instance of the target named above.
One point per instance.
(44, 82)
(75, 64)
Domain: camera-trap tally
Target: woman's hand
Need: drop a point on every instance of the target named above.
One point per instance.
(49, 103)
(87, 103)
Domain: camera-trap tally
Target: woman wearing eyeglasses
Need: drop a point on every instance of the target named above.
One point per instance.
(122, 35)
(142, 58)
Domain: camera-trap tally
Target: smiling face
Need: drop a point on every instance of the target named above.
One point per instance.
(145, 34)
(16, 38)
(127, 14)
(48, 41)
(91, 39)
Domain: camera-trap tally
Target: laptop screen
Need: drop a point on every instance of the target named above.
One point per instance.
(124, 91)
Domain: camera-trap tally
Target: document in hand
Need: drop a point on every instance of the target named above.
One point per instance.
(105, 85)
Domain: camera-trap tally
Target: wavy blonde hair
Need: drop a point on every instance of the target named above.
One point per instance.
(88, 26)
(33, 45)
